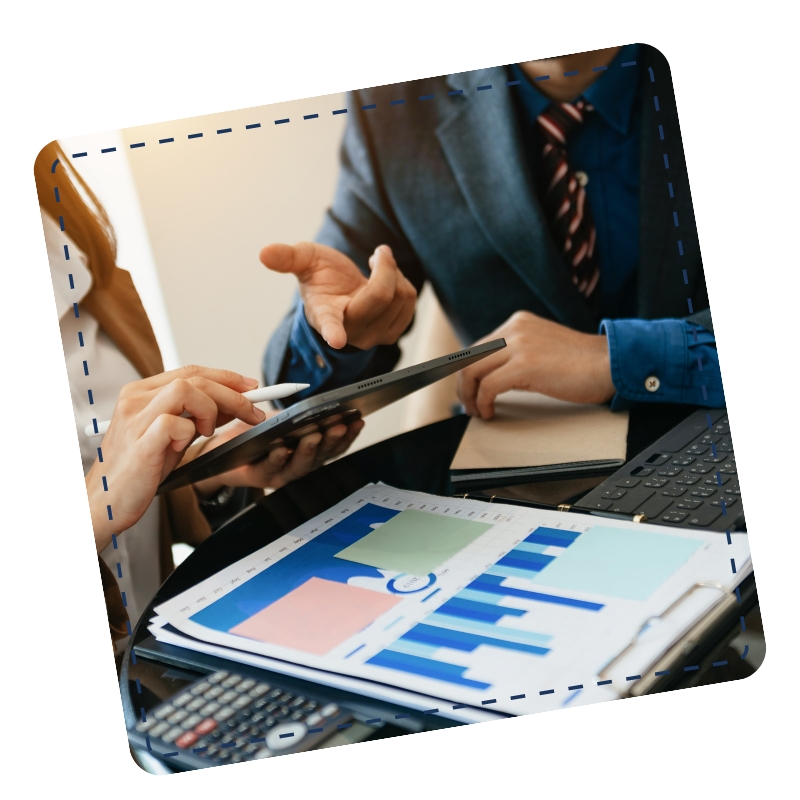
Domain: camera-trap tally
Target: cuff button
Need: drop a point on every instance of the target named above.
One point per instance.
(652, 383)
(320, 361)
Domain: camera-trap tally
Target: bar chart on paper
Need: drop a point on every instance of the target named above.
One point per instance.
(447, 597)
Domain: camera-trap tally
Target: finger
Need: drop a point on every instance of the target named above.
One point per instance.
(226, 377)
(330, 441)
(407, 305)
(497, 382)
(353, 429)
(374, 298)
(330, 323)
(165, 432)
(208, 402)
(302, 461)
(282, 258)
(470, 378)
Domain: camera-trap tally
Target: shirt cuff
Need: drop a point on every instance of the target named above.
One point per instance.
(662, 361)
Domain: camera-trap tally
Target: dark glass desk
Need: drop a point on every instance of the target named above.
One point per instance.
(420, 461)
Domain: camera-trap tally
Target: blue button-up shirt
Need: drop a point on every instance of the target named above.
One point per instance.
(606, 147)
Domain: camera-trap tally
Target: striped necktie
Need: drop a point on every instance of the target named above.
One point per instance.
(564, 197)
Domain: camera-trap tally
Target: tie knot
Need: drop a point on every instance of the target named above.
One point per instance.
(559, 120)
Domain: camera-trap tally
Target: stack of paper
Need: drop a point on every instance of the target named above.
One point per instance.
(434, 602)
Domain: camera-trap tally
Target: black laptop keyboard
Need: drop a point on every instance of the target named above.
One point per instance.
(686, 479)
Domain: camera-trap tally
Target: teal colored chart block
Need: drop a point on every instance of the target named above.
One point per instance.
(615, 562)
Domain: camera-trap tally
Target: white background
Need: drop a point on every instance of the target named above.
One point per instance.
(71, 68)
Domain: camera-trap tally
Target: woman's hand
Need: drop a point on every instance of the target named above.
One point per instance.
(147, 438)
(282, 465)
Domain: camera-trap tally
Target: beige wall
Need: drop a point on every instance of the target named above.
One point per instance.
(210, 204)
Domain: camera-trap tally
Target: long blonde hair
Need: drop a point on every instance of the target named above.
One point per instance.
(60, 186)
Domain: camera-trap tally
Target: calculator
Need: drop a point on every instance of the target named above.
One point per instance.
(228, 717)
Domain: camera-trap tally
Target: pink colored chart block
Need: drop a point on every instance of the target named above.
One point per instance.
(316, 617)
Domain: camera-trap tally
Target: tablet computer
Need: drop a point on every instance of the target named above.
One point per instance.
(323, 411)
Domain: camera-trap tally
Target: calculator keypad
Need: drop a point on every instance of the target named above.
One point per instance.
(228, 718)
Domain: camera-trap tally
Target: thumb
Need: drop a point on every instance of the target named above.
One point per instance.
(283, 258)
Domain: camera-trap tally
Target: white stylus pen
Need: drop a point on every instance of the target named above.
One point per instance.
(276, 392)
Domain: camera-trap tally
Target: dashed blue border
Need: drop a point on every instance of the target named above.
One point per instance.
(575, 688)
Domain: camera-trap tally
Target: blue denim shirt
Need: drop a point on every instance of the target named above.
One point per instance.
(606, 147)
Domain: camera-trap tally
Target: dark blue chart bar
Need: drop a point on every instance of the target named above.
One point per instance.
(552, 537)
(522, 559)
(466, 642)
(491, 584)
(428, 668)
(476, 611)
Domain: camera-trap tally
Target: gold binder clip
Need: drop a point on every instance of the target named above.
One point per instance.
(639, 518)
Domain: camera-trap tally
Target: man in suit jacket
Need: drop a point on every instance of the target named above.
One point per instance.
(445, 180)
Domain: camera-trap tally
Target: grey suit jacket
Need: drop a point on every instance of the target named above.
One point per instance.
(444, 182)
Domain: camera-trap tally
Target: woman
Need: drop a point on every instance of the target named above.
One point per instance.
(115, 372)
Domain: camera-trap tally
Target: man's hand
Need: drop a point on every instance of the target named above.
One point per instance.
(340, 303)
(541, 356)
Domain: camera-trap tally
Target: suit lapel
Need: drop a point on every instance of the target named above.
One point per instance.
(481, 143)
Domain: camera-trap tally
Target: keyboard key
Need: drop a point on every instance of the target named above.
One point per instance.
(655, 483)
(314, 720)
(178, 702)
(275, 693)
(682, 461)
(186, 740)
(674, 491)
(675, 516)
(717, 480)
(160, 728)
(687, 480)
(701, 469)
(241, 702)
(200, 688)
(246, 685)
(209, 709)
(228, 696)
(206, 726)
(642, 471)
(688, 505)
(654, 506)
(703, 491)
(298, 701)
(728, 469)
(217, 676)
(657, 459)
(631, 502)
(297, 716)
(191, 721)
(734, 490)
(172, 734)
(627, 483)
(164, 711)
(143, 727)
(613, 494)
(230, 681)
(286, 735)
(670, 472)
(696, 450)
(225, 713)
(712, 460)
(259, 690)
(599, 505)
(704, 516)
(330, 710)
(196, 704)
(729, 501)
(213, 693)
(709, 438)
(177, 717)
(725, 446)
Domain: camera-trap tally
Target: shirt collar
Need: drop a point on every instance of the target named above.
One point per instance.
(612, 94)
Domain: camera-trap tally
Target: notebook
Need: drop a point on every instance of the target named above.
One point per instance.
(535, 438)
